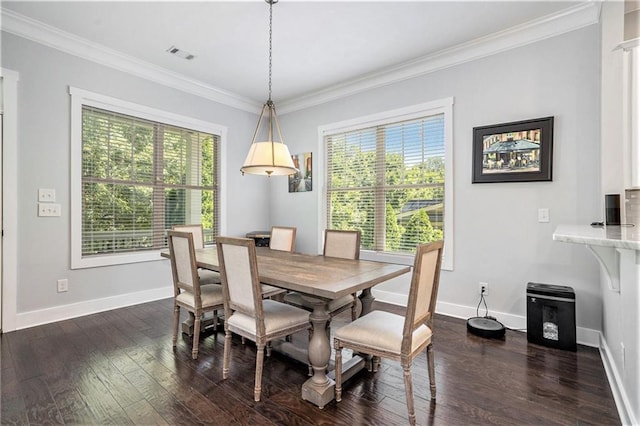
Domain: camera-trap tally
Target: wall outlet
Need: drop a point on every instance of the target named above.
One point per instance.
(63, 285)
(483, 288)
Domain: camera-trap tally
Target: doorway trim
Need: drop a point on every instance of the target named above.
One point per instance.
(9, 199)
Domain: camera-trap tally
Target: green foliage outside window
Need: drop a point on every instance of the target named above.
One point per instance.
(139, 178)
(388, 182)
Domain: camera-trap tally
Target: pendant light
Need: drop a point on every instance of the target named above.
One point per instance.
(269, 157)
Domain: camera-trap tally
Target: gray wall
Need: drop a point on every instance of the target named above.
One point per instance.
(43, 162)
(497, 236)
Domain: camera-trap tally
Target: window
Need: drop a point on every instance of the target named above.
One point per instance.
(138, 173)
(389, 176)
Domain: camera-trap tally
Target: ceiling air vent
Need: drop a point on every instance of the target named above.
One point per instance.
(180, 53)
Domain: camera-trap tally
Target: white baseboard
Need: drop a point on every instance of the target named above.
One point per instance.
(584, 336)
(73, 310)
(625, 412)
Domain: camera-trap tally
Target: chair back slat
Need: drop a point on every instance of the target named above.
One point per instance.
(239, 273)
(342, 244)
(183, 263)
(196, 230)
(424, 290)
(283, 238)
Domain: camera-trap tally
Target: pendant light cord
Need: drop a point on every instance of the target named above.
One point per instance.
(270, 37)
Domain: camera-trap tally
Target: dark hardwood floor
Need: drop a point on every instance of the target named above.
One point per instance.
(118, 367)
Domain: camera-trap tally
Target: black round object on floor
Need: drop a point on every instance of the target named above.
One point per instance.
(485, 327)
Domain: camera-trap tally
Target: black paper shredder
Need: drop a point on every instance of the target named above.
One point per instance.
(551, 316)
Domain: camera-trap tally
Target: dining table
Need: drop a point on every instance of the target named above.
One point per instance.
(324, 279)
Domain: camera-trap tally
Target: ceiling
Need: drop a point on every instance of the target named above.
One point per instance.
(316, 45)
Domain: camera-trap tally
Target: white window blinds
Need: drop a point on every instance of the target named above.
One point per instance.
(388, 181)
(141, 177)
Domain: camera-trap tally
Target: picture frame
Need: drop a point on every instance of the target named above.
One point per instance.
(520, 151)
(302, 181)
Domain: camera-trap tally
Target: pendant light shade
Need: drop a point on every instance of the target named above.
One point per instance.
(268, 157)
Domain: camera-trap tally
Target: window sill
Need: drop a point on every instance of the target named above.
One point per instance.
(375, 256)
(400, 259)
(115, 259)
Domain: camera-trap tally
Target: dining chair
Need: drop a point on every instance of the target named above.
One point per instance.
(340, 244)
(247, 313)
(187, 291)
(402, 338)
(282, 238)
(206, 276)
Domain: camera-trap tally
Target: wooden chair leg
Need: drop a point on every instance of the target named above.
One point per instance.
(227, 354)
(215, 320)
(408, 387)
(432, 371)
(196, 336)
(176, 320)
(338, 371)
(257, 390)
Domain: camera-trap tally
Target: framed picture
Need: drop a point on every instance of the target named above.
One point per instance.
(302, 181)
(513, 152)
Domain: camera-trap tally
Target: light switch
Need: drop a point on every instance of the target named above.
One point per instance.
(46, 195)
(49, 210)
(543, 215)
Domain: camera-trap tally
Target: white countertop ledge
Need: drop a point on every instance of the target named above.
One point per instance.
(624, 237)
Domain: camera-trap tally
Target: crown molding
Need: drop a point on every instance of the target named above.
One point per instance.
(568, 20)
(47, 35)
(579, 16)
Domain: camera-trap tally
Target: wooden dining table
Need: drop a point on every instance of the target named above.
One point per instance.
(323, 278)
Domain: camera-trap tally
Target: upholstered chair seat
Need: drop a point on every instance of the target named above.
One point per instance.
(382, 331)
(210, 295)
(277, 317)
(209, 277)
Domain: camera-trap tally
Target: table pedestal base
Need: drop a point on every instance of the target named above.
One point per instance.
(319, 394)
(350, 368)
(207, 321)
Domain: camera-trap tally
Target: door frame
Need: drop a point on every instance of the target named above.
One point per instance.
(9, 193)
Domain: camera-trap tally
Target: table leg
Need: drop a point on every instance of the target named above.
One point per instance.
(319, 389)
(366, 298)
(187, 325)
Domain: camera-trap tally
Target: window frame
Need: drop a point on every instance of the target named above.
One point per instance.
(80, 97)
(441, 106)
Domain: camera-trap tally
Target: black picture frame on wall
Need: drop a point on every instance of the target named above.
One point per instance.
(520, 151)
